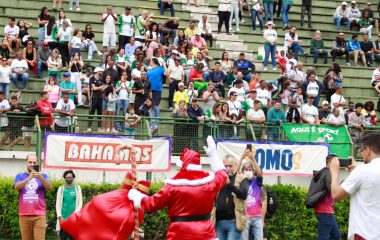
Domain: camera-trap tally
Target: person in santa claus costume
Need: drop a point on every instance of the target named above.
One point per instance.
(107, 216)
(189, 196)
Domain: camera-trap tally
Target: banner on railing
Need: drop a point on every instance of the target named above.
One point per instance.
(337, 137)
(282, 159)
(96, 152)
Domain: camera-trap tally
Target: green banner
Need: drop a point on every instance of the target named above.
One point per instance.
(336, 137)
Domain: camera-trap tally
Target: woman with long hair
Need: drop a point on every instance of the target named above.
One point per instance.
(333, 79)
(196, 76)
(30, 55)
(181, 37)
(42, 19)
(51, 33)
(64, 36)
(111, 99)
(53, 91)
(179, 129)
(62, 17)
(225, 63)
(23, 33)
(152, 34)
(107, 82)
(54, 64)
(148, 109)
(75, 67)
(88, 38)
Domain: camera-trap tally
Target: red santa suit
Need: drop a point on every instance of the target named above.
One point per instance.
(189, 197)
(108, 216)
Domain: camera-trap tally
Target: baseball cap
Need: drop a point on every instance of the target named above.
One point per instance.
(98, 69)
(177, 59)
(325, 103)
(344, 3)
(369, 3)
(67, 74)
(45, 44)
(353, 2)
(198, 33)
(270, 23)
(174, 52)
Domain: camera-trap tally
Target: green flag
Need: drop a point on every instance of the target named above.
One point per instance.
(337, 137)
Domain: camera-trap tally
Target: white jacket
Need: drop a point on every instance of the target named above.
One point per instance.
(201, 26)
(339, 12)
(59, 201)
(354, 12)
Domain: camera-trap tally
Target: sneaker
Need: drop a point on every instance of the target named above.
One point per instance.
(70, 9)
(171, 108)
(99, 53)
(108, 130)
(265, 68)
(88, 130)
(243, 21)
(78, 9)
(230, 29)
(233, 20)
(80, 104)
(274, 69)
(113, 130)
(348, 64)
(100, 130)
(237, 29)
(229, 33)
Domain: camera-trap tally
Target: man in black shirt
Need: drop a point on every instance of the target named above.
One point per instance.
(236, 191)
(367, 47)
(306, 6)
(324, 112)
(196, 114)
(293, 115)
(96, 99)
(114, 74)
(170, 27)
(142, 89)
(217, 77)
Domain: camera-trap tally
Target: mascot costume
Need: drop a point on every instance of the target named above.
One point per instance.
(189, 196)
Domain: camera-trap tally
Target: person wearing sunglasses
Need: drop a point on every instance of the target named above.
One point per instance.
(339, 48)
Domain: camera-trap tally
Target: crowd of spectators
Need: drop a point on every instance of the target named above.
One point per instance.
(129, 79)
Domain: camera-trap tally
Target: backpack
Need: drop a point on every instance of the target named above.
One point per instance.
(272, 202)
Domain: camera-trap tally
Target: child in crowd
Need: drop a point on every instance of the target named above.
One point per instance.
(286, 96)
(131, 123)
(111, 99)
(123, 90)
(281, 61)
(298, 97)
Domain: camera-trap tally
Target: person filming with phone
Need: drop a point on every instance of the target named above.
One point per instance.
(32, 185)
(363, 186)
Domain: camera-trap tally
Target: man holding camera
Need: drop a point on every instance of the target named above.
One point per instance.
(363, 186)
(32, 207)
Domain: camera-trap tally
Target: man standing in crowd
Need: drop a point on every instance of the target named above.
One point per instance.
(109, 29)
(319, 197)
(363, 186)
(96, 99)
(155, 76)
(32, 207)
(42, 56)
(142, 89)
(65, 108)
(309, 113)
(176, 75)
(338, 101)
(196, 114)
(231, 218)
(46, 120)
(127, 27)
(324, 112)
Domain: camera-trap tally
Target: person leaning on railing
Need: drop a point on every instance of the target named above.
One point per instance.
(180, 130)
(4, 107)
(14, 123)
(28, 124)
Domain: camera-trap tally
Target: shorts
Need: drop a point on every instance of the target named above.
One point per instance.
(104, 105)
(27, 131)
(109, 39)
(374, 83)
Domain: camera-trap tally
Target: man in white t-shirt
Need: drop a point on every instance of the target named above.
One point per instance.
(20, 69)
(127, 27)
(239, 90)
(66, 109)
(309, 113)
(337, 100)
(4, 108)
(251, 98)
(263, 95)
(363, 186)
(296, 76)
(109, 28)
(11, 32)
(335, 119)
(234, 106)
(255, 114)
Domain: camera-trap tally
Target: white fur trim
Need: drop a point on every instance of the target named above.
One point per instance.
(190, 166)
(186, 182)
(216, 164)
(136, 197)
(179, 163)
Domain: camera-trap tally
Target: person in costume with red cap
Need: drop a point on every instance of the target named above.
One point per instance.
(189, 196)
(107, 216)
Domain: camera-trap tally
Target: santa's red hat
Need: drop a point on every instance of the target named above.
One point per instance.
(189, 160)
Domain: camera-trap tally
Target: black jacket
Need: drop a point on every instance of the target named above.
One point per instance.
(320, 184)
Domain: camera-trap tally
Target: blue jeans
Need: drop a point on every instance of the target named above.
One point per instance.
(4, 87)
(234, 14)
(338, 21)
(24, 77)
(255, 14)
(317, 54)
(328, 228)
(316, 101)
(41, 36)
(226, 230)
(164, 6)
(256, 225)
(205, 76)
(247, 77)
(268, 9)
(273, 132)
(40, 65)
(270, 49)
(296, 47)
(121, 103)
(285, 12)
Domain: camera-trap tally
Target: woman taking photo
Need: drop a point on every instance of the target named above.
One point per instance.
(75, 67)
(69, 200)
(53, 92)
(30, 56)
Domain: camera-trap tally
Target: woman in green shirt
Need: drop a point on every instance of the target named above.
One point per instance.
(69, 200)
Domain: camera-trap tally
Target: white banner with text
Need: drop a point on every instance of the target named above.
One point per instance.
(282, 159)
(96, 152)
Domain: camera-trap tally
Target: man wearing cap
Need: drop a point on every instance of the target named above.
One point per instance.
(176, 75)
(324, 112)
(46, 120)
(42, 56)
(354, 15)
(244, 66)
(68, 87)
(20, 69)
(335, 119)
(191, 29)
(127, 27)
(293, 115)
(317, 48)
(199, 42)
(96, 99)
(337, 100)
(205, 27)
(341, 16)
(309, 113)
